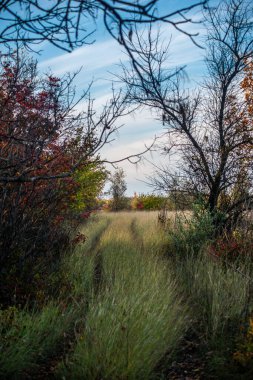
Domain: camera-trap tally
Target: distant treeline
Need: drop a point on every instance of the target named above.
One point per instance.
(174, 201)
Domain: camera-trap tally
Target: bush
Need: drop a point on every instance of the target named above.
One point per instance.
(47, 173)
(190, 234)
(147, 202)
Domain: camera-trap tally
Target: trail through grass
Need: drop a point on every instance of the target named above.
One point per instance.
(136, 317)
(128, 295)
(118, 311)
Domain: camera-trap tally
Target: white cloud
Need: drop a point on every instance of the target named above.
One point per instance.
(94, 57)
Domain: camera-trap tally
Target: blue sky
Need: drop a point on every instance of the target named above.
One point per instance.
(99, 61)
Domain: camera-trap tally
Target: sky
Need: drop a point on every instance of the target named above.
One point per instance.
(100, 61)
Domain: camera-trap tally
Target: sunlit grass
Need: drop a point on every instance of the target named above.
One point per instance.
(78, 266)
(136, 318)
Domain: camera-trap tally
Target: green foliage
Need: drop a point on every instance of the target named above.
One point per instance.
(90, 180)
(149, 201)
(190, 234)
(117, 190)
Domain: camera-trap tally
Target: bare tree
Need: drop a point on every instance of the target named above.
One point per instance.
(209, 128)
(67, 24)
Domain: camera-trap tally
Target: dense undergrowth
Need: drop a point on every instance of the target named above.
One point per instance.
(218, 285)
(123, 301)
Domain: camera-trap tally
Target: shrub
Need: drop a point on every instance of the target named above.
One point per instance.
(46, 167)
(147, 202)
(190, 234)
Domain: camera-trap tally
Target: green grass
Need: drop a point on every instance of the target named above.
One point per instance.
(78, 266)
(218, 293)
(125, 303)
(118, 305)
(29, 338)
(135, 319)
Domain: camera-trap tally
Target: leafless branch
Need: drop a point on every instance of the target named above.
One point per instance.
(66, 24)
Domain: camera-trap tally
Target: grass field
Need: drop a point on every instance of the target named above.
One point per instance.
(135, 315)
(127, 301)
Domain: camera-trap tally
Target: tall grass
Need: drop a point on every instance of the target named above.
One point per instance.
(119, 302)
(217, 291)
(78, 266)
(147, 230)
(218, 294)
(29, 338)
(136, 317)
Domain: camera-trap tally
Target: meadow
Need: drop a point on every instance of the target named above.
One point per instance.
(136, 300)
